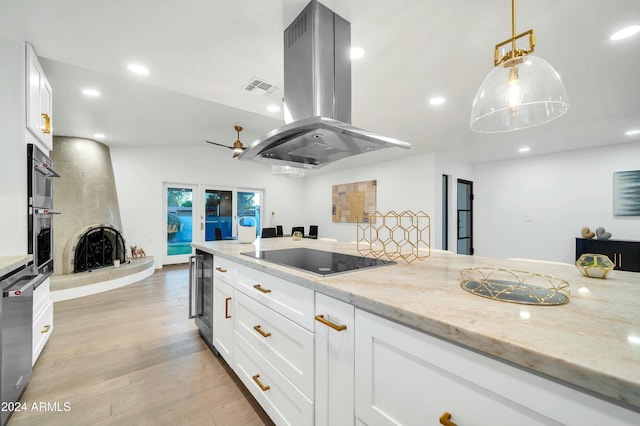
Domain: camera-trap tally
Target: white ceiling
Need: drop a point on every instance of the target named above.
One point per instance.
(201, 53)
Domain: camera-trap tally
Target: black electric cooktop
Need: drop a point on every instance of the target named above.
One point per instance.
(317, 261)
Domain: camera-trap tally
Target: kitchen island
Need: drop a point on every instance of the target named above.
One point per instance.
(590, 345)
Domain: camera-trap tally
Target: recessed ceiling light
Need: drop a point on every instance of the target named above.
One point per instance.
(98, 135)
(632, 132)
(439, 100)
(524, 149)
(357, 52)
(625, 32)
(273, 108)
(91, 92)
(138, 69)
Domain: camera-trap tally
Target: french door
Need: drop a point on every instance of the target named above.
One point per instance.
(217, 213)
(205, 213)
(180, 210)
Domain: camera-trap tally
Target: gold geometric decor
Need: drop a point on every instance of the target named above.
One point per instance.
(405, 236)
(594, 265)
(351, 202)
(506, 285)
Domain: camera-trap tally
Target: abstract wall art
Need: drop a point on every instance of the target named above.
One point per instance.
(626, 193)
(353, 202)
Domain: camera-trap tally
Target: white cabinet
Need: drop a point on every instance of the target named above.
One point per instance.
(272, 340)
(289, 300)
(223, 314)
(39, 100)
(224, 275)
(408, 377)
(42, 319)
(283, 402)
(334, 362)
(285, 344)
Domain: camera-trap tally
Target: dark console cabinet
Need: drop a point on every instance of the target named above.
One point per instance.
(624, 254)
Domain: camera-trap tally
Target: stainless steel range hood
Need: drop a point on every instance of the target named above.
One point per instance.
(317, 80)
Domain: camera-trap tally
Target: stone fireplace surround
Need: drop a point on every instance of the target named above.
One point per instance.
(87, 197)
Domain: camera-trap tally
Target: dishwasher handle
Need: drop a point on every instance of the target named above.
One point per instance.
(191, 277)
(17, 289)
(194, 296)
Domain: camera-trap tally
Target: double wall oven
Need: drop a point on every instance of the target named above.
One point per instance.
(40, 208)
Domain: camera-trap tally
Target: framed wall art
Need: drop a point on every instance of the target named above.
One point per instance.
(626, 193)
(353, 202)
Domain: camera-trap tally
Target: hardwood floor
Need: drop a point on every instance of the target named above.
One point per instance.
(130, 356)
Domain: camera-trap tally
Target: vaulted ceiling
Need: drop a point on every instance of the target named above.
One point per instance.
(202, 53)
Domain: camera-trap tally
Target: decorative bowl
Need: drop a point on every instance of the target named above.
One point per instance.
(594, 265)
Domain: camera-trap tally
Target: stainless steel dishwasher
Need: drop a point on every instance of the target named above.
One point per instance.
(17, 327)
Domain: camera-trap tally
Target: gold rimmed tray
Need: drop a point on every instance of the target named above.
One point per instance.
(514, 286)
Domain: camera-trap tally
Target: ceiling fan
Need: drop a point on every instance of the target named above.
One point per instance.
(237, 145)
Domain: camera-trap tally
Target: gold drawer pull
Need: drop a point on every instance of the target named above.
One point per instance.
(256, 379)
(259, 287)
(445, 419)
(45, 329)
(330, 324)
(226, 308)
(219, 269)
(47, 123)
(259, 330)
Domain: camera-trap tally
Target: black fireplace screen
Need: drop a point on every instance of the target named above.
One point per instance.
(98, 248)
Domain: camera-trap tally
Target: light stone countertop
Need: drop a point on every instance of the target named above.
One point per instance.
(10, 263)
(592, 342)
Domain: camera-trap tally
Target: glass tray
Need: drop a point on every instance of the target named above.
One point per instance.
(515, 286)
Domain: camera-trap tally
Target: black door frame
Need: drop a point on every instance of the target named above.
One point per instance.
(470, 210)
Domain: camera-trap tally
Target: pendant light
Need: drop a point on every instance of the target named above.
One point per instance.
(521, 91)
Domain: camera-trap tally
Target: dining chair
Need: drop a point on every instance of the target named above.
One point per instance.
(218, 232)
(313, 232)
(279, 232)
(268, 232)
(298, 229)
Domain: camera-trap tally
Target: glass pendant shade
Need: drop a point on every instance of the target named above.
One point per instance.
(519, 93)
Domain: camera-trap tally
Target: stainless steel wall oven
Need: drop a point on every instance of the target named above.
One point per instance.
(40, 209)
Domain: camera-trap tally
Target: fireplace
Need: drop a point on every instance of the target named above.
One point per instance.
(98, 247)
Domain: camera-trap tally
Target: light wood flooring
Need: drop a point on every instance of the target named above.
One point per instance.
(130, 356)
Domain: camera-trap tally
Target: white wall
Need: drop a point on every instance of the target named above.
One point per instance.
(141, 171)
(402, 185)
(535, 207)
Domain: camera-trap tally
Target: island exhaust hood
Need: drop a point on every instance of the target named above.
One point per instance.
(317, 104)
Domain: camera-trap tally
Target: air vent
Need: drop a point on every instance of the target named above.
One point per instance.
(260, 87)
(296, 29)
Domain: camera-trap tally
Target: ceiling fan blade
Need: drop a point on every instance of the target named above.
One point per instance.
(219, 144)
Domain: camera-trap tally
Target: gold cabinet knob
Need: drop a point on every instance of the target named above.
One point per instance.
(320, 318)
(256, 379)
(259, 330)
(445, 419)
(260, 288)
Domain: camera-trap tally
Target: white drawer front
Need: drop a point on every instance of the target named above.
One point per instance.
(290, 300)
(407, 377)
(224, 269)
(42, 328)
(40, 298)
(285, 344)
(282, 401)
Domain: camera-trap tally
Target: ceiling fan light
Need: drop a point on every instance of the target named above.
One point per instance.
(518, 94)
